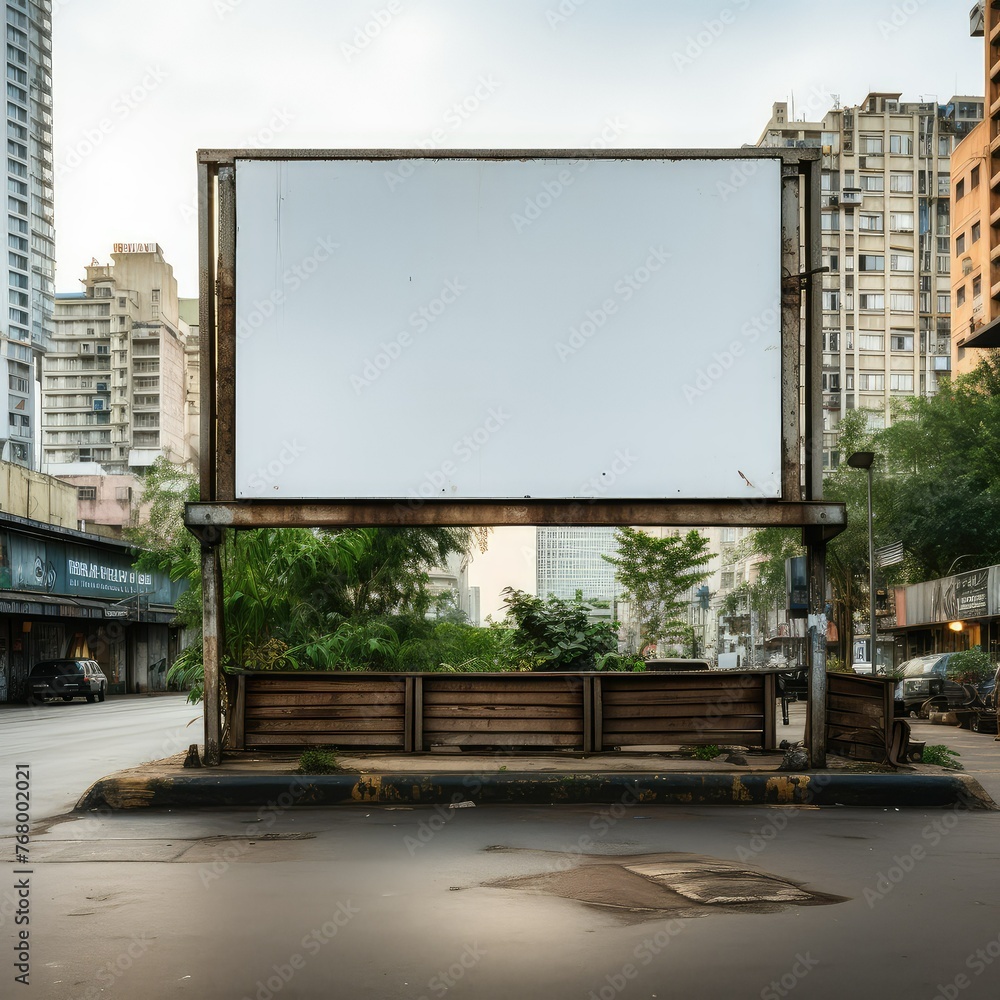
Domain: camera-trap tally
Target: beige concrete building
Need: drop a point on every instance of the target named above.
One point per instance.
(114, 384)
(188, 310)
(886, 230)
(25, 493)
(976, 246)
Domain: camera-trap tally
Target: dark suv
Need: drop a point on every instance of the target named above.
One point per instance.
(926, 681)
(66, 679)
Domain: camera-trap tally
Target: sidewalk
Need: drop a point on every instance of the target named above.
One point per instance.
(454, 778)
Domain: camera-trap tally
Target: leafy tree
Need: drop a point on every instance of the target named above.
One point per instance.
(654, 573)
(944, 465)
(557, 635)
(292, 596)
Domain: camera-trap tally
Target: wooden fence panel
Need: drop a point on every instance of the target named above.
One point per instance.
(511, 710)
(859, 716)
(361, 711)
(664, 709)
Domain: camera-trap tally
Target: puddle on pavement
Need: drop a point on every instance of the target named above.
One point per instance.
(649, 886)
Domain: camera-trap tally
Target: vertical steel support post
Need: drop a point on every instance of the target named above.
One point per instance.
(212, 641)
(816, 560)
(225, 370)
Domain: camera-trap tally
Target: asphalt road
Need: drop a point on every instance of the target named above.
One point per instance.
(378, 902)
(69, 745)
(368, 902)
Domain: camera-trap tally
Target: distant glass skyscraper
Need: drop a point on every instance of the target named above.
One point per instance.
(569, 559)
(26, 322)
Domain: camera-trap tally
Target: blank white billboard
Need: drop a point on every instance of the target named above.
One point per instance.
(465, 328)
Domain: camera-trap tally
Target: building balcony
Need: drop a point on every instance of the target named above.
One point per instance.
(850, 196)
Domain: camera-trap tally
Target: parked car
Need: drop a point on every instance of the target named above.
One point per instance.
(925, 681)
(67, 679)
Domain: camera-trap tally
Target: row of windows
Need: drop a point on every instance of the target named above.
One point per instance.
(977, 289)
(869, 382)
(898, 301)
(899, 222)
(974, 236)
(973, 184)
(902, 144)
(868, 341)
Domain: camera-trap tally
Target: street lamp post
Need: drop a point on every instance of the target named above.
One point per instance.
(865, 460)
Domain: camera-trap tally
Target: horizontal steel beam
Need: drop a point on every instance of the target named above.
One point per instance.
(228, 156)
(471, 513)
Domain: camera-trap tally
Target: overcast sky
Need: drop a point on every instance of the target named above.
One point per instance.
(140, 86)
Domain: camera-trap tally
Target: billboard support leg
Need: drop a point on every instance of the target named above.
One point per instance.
(815, 541)
(213, 635)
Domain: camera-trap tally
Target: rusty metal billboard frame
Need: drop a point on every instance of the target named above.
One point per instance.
(800, 505)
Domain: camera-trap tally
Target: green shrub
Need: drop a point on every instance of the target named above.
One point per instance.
(318, 760)
(971, 666)
(709, 752)
(941, 755)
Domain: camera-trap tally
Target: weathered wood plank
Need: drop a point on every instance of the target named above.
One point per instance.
(505, 739)
(318, 712)
(262, 700)
(742, 723)
(749, 738)
(502, 711)
(436, 684)
(434, 726)
(325, 726)
(433, 697)
(866, 719)
(690, 697)
(688, 711)
(338, 682)
(360, 741)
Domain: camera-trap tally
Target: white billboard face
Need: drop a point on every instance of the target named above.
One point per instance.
(463, 328)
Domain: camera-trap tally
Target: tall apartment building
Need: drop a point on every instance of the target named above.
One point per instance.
(188, 311)
(26, 297)
(570, 559)
(114, 390)
(976, 196)
(886, 232)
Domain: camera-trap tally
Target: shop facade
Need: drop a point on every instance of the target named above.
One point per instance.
(69, 593)
(948, 615)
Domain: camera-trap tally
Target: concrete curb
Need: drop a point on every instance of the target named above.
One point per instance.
(207, 791)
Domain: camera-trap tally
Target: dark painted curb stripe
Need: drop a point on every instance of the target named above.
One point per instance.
(207, 791)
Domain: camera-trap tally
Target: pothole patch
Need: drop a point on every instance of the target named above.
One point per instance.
(667, 885)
